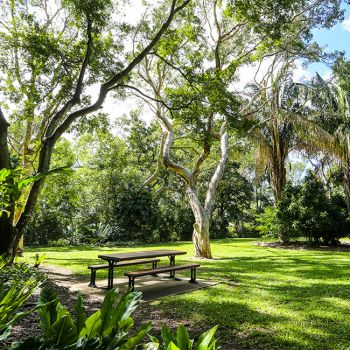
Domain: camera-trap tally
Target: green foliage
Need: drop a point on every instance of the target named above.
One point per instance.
(306, 211)
(180, 340)
(38, 259)
(12, 184)
(18, 282)
(137, 213)
(233, 202)
(107, 328)
(268, 223)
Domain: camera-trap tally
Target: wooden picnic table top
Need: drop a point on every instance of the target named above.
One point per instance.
(140, 254)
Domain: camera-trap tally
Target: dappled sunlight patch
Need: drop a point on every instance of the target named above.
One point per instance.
(269, 297)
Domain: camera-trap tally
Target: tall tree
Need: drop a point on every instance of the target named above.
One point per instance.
(333, 100)
(58, 50)
(284, 121)
(191, 93)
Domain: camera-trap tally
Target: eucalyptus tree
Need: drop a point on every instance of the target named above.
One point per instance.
(53, 56)
(186, 82)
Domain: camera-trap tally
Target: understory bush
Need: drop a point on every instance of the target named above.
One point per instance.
(307, 211)
(107, 328)
(18, 282)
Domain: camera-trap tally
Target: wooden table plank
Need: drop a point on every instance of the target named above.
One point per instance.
(140, 254)
(114, 258)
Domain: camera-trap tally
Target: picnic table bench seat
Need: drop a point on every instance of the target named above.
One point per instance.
(154, 271)
(94, 268)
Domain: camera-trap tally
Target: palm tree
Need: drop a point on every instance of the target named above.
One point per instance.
(334, 101)
(281, 110)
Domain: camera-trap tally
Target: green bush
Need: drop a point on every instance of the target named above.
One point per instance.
(107, 328)
(18, 282)
(306, 211)
(137, 213)
(61, 242)
(269, 224)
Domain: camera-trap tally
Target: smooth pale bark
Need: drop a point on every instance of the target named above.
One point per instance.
(200, 235)
(202, 213)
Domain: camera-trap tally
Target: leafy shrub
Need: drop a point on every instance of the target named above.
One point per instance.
(137, 212)
(18, 282)
(38, 259)
(180, 340)
(306, 211)
(61, 242)
(106, 329)
(269, 224)
(18, 273)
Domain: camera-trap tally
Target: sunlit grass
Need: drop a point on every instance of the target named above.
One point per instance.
(269, 298)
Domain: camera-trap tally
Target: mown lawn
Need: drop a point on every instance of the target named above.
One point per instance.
(269, 298)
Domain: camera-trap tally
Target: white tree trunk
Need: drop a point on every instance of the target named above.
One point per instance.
(200, 235)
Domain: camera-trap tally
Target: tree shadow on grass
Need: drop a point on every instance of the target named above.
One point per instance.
(283, 299)
(256, 327)
(297, 289)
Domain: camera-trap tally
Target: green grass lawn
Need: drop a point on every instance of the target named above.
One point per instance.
(269, 298)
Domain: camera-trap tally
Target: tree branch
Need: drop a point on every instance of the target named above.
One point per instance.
(117, 78)
(79, 87)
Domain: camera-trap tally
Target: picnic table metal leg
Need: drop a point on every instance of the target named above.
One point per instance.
(93, 279)
(172, 263)
(131, 283)
(193, 275)
(110, 274)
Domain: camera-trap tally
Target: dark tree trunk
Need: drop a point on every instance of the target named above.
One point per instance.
(44, 166)
(4, 151)
(278, 178)
(7, 231)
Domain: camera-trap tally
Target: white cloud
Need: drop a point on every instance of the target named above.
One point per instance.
(346, 24)
(327, 75)
(300, 74)
(255, 72)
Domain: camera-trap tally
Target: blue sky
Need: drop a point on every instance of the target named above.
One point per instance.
(336, 38)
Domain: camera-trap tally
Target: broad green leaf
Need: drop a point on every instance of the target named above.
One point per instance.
(151, 346)
(107, 311)
(183, 340)
(126, 306)
(206, 339)
(135, 340)
(172, 346)
(80, 313)
(92, 326)
(167, 335)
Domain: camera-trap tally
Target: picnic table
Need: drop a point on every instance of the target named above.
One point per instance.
(115, 258)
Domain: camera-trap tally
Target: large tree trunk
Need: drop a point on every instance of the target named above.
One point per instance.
(200, 239)
(278, 177)
(44, 166)
(200, 235)
(7, 231)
